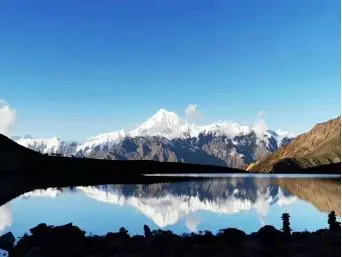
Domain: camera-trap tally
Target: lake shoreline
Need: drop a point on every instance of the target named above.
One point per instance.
(139, 167)
(166, 243)
(16, 182)
(64, 172)
(69, 240)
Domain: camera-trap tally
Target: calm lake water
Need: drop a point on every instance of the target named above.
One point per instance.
(244, 202)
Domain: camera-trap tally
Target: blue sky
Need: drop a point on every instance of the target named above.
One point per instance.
(79, 68)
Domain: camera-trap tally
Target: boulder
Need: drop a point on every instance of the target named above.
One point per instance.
(268, 234)
(40, 229)
(233, 236)
(7, 241)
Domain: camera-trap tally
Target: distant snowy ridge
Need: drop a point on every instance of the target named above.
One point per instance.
(164, 125)
(102, 142)
(49, 145)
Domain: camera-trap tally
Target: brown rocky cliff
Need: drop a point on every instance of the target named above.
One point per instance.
(321, 144)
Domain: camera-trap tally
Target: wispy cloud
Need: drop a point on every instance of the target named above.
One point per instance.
(262, 208)
(192, 113)
(5, 217)
(191, 223)
(7, 118)
(260, 124)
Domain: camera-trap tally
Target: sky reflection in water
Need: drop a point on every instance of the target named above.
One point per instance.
(246, 203)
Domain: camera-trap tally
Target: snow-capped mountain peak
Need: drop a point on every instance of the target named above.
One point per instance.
(280, 136)
(27, 136)
(163, 123)
(283, 133)
(102, 142)
(228, 129)
(221, 143)
(108, 136)
(163, 118)
(48, 145)
(168, 124)
(163, 115)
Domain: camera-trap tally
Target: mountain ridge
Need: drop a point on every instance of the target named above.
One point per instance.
(230, 144)
(319, 146)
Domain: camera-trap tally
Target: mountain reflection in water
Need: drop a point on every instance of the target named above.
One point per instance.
(206, 204)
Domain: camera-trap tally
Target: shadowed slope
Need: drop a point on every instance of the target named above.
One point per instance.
(15, 156)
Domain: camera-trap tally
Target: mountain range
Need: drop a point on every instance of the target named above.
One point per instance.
(168, 138)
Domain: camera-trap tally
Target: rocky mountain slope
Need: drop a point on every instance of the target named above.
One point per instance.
(166, 137)
(321, 145)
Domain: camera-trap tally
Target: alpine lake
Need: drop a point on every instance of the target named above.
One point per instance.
(202, 203)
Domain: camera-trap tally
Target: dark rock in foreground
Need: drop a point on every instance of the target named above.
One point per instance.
(7, 241)
(69, 240)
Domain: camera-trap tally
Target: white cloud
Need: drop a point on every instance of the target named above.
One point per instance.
(5, 217)
(192, 113)
(260, 125)
(261, 114)
(262, 209)
(191, 223)
(7, 118)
